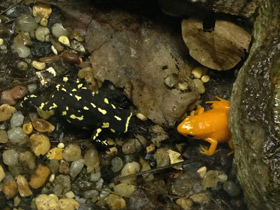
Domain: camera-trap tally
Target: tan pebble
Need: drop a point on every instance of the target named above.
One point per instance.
(27, 128)
(112, 150)
(47, 202)
(124, 189)
(175, 157)
(201, 171)
(61, 145)
(68, 204)
(40, 144)
(54, 50)
(59, 47)
(52, 178)
(200, 197)
(64, 40)
(38, 65)
(6, 111)
(6, 98)
(72, 152)
(19, 91)
(140, 116)
(42, 10)
(70, 194)
(3, 136)
(55, 154)
(44, 22)
(197, 72)
(10, 189)
(50, 59)
(23, 186)
(184, 203)
(76, 35)
(150, 148)
(40, 177)
(205, 78)
(42, 125)
(116, 202)
(199, 85)
(183, 86)
(2, 173)
(52, 71)
(1, 41)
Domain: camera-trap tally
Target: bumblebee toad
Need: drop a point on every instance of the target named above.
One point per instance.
(211, 125)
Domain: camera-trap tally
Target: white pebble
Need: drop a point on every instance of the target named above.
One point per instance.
(76, 167)
(183, 86)
(205, 78)
(42, 34)
(61, 145)
(72, 152)
(141, 116)
(52, 177)
(10, 157)
(51, 71)
(17, 120)
(17, 136)
(22, 51)
(58, 30)
(94, 177)
(54, 50)
(130, 168)
(197, 72)
(70, 195)
(38, 65)
(92, 160)
(64, 40)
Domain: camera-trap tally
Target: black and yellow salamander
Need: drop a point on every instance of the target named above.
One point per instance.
(85, 108)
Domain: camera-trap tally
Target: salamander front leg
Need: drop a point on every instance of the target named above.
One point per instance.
(212, 149)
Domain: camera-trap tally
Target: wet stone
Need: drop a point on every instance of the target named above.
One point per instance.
(2, 173)
(40, 144)
(124, 189)
(184, 203)
(94, 177)
(131, 146)
(117, 164)
(91, 195)
(91, 160)
(76, 167)
(17, 136)
(10, 157)
(10, 189)
(47, 202)
(231, 188)
(199, 198)
(210, 179)
(23, 186)
(58, 30)
(22, 51)
(16, 120)
(72, 152)
(28, 160)
(162, 157)
(6, 112)
(54, 166)
(42, 125)
(3, 136)
(62, 185)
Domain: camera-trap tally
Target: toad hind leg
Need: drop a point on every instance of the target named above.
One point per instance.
(212, 149)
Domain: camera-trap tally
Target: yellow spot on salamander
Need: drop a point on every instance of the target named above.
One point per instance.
(127, 122)
(93, 105)
(69, 121)
(112, 130)
(65, 79)
(106, 125)
(80, 85)
(70, 94)
(106, 100)
(118, 118)
(42, 106)
(113, 106)
(85, 108)
(103, 111)
(98, 131)
(54, 106)
(74, 90)
(72, 116)
(84, 88)
(78, 97)
(33, 96)
(64, 113)
(57, 87)
(63, 89)
(67, 108)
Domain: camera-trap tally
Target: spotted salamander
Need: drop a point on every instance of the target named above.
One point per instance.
(85, 108)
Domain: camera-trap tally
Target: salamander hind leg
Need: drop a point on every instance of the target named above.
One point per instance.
(212, 149)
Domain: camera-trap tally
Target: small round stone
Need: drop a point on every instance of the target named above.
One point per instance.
(70, 194)
(94, 177)
(23, 66)
(124, 189)
(1, 41)
(231, 188)
(185, 203)
(91, 160)
(116, 202)
(76, 167)
(199, 85)
(38, 65)
(42, 34)
(201, 171)
(22, 51)
(2, 173)
(141, 116)
(17, 120)
(40, 144)
(54, 50)
(3, 136)
(68, 204)
(26, 23)
(72, 152)
(42, 125)
(10, 189)
(200, 198)
(210, 179)
(47, 202)
(117, 164)
(130, 168)
(55, 154)
(17, 136)
(205, 78)
(183, 86)
(171, 80)
(64, 40)
(10, 157)
(23, 186)
(197, 72)
(27, 128)
(58, 30)
(6, 112)
(61, 145)
(162, 158)
(40, 177)
(42, 10)
(27, 160)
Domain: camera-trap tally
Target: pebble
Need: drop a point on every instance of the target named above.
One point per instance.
(10, 189)
(54, 50)
(54, 166)
(18, 92)
(150, 148)
(183, 86)
(77, 36)
(68, 204)
(27, 128)
(117, 164)
(141, 116)
(3, 136)
(42, 125)
(223, 177)
(52, 71)
(64, 40)
(1, 41)
(91, 160)
(171, 80)
(99, 184)
(200, 198)
(131, 146)
(62, 185)
(197, 72)
(175, 157)
(158, 135)
(72, 152)
(22, 39)
(31, 87)
(42, 34)
(184, 184)
(115, 202)
(2, 173)
(16, 120)
(76, 167)
(38, 65)
(23, 66)
(42, 10)
(58, 30)
(184, 203)
(47, 202)
(26, 23)
(61, 145)
(210, 179)
(128, 169)
(199, 85)
(94, 177)
(50, 59)
(92, 195)
(6, 111)
(201, 171)
(40, 144)
(231, 188)
(22, 51)
(27, 160)
(205, 78)
(55, 154)
(10, 157)
(40, 177)
(71, 57)
(59, 47)
(64, 167)
(23, 187)
(70, 194)
(162, 157)
(124, 189)
(77, 46)
(52, 178)
(146, 167)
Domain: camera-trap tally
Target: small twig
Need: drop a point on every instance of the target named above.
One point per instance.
(12, 6)
(155, 170)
